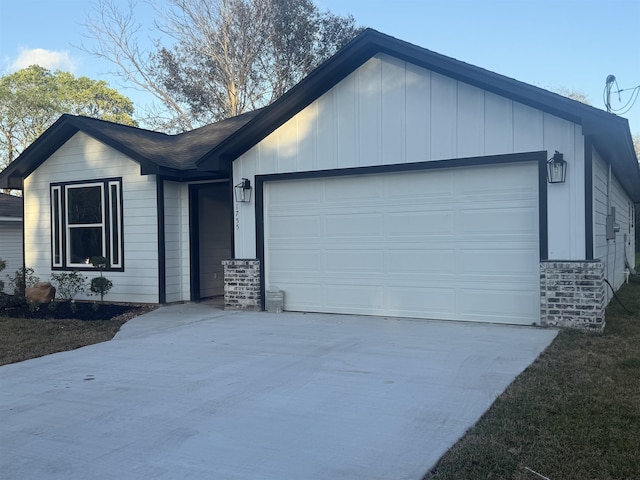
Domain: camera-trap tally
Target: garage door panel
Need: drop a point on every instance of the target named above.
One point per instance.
(353, 224)
(297, 194)
(425, 302)
(429, 244)
(364, 298)
(306, 226)
(501, 305)
(302, 297)
(420, 188)
(484, 180)
(496, 261)
(369, 190)
(424, 222)
(408, 261)
(497, 220)
(296, 260)
(354, 261)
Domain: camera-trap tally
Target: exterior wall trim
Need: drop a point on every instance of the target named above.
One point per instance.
(162, 270)
(588, 197)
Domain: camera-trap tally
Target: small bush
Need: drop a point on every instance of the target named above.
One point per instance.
(101, 286)
(69, 284)
(23, 279)
(3, 265)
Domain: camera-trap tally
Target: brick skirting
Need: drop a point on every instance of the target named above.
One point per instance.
(572, 294)
(242, 285)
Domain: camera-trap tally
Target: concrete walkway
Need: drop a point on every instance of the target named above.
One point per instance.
(197, 393)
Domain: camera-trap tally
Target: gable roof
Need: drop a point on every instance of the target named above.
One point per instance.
(171, 155)
(609, 133)
(10, 207)
(207, 152)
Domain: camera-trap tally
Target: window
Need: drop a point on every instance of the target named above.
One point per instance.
(86, 221)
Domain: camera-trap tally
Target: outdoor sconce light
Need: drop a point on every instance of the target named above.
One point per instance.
(556, 169)
(243, 191)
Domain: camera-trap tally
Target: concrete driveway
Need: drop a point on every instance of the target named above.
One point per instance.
(197, 393)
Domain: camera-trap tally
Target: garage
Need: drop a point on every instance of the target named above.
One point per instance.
(446, 243)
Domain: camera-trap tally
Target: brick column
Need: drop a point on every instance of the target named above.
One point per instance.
(572, 294)
(242, 285)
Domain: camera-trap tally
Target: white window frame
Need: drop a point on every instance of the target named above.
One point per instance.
(110, 225)
(70, 227)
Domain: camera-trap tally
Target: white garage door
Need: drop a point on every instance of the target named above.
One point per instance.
(459, 244)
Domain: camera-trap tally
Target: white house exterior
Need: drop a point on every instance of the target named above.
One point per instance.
(10, 237)
(392, 181)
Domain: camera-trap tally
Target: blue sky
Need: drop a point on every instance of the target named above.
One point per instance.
(573, 44)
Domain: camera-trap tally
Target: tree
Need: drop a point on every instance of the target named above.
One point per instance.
(218, 58)
(33, 98)
(636, 144)
(576, 95)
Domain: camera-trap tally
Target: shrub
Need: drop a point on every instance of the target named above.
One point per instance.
(100, 285)
(23, 279)
(3, 265)
(69, 284)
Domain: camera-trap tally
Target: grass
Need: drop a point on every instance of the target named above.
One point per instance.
(22, 339)
(573, 414)
(25, 338)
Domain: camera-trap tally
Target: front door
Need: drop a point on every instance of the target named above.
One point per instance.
(211, 238)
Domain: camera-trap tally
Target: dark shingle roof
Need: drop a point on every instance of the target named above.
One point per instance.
(10, 206)
(172, 155)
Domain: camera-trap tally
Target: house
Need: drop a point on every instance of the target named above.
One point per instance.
(10, 237)
(391, 181)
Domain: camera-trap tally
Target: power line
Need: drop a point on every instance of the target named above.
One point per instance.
(606, 96)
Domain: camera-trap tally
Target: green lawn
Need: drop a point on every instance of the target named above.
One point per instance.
(573, 414)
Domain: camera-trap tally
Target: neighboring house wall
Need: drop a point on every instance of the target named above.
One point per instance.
(176, 226)
(10, 250)
(84, 158)
(607, 193)
(392, 112)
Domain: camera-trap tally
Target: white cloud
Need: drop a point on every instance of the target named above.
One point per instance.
(45, 58)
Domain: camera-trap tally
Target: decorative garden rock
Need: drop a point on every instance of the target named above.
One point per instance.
(41, 292)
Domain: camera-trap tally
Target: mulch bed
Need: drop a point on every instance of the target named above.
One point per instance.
(17, 308)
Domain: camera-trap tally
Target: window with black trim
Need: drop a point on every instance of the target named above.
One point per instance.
(86, 221)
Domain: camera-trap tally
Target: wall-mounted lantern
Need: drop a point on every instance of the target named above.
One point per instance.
(243, 191)
(556, 169)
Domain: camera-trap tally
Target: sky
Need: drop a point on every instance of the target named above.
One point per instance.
(570, 44)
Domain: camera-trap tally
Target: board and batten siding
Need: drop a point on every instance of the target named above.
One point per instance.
(85, 158)
(10, 250)
(391, 112)
(611, 252)
(176, 228)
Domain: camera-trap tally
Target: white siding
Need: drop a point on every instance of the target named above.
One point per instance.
(84, 158)
(176, 231)
(10, 250)
(391, 112)
(612, 252)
